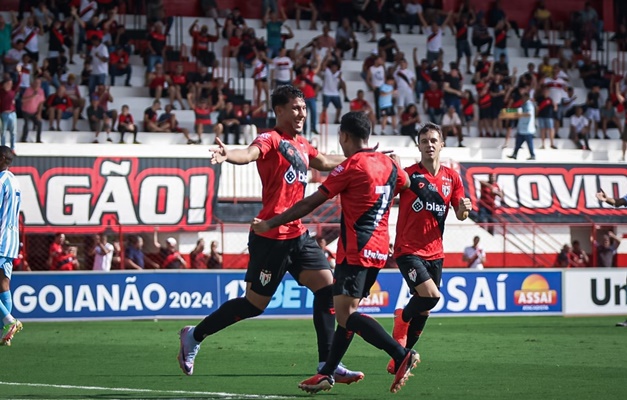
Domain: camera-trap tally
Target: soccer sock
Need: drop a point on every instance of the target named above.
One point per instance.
(418, 304)
(5, 309)
(7, 300)
(341, 340)
(324, 320)
(372, 332)
(416, 326)
(228, 314)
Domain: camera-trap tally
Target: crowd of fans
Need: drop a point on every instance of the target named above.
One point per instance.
(575, 257)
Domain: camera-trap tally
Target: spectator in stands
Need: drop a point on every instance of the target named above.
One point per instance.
(579, 129)
(200, 43)
(170, 123)
(392, 12)
(346, 39)
(462, 44)
(20, 263)
(102, 251)
(228, 123)
(405, 84)
(103, 94)
(29, 30)
(156, 46)
(360, 104)
(305, 82)
(526, 126)
(375, 79)
(98, 120)
(388, 47)
(497, 14)
(202, 112)
(60, 106)
(99, 64)
(215, 258)
(169, 254)
(592, 26)
(606, 250)
(609, 118)
(386, 105)
(474, 256)
(197, 257)
(423, 76)
(490, 190)
(260, 77)
(469, 109)
(7, 110)
(578, 257)
(566, 56)
(178, 88)
(482, 68)
(481, 36)
(326, 41)
(433, 103)
(233, 21)
(434, 40)
(73, 90)
(282, 72)
(119, 66)
(409, 119)
(530, 40)
(126, 123)
(13, 57)
(200, 83)
(60, 35)
(452, 125)
(620, 38)
(331, 78)
(413, 11)
(366, 14)
(158, 82)
(273, 32)
(5, 40)
(546, 116)
(248, 120)
(563, 258)
(590, 72)
(307, 6)
(486, 111)
(55, 248)
(593, 112)
(566, 108)
(500, 39)
(65, 260)
(33, 100)
(134, 257)
(150, 118)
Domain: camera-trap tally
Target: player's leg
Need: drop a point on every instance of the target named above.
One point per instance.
(10, 325)
(267, 266)
(311, 269)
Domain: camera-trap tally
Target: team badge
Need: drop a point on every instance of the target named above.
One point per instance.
(446, 190)
(265, 276)
(418, 205)
(412, 274)
(432, 187)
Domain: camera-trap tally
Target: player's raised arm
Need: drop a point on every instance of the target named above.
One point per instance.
(618, 202)
(463, 208)
(221, 154)
(297, 211)
(326, 162)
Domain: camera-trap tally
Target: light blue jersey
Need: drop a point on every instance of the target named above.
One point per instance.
(10, 202)
(385, 100)
(527, 125)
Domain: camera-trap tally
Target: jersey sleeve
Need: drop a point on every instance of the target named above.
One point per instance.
(265, 142)
(337, 181)
(311, 151)
(401, 179)
(457, 190)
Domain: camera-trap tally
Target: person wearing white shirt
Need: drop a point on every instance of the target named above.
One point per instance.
(434, 39)
(405, 85)
(579, 128)
(413, 9)
(474, 255)
(102, 253)
(452, 124)
(375, 79)
(282, 69)
(99, 64)
(331, 79)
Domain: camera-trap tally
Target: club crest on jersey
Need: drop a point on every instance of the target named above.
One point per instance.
(418, 205)
(446, 190)
(412, 274)
(265, 276)
(433, 188)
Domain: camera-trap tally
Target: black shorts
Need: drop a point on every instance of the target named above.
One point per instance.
(34, 55)
(485, 113)
(387, 112)
(153, 91)
(270, 259)
(415, 270)
(354, 280)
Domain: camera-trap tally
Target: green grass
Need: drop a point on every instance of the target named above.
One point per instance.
(463, 358)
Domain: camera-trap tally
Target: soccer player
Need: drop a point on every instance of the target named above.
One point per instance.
(418, 248)
(616, 202)
(10, 200)
(366, 181)
(283, 157)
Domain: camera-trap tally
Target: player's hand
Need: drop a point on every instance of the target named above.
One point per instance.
(393, 156)
(260, 226)
(465, 205)
(602, 196)
(218, 154)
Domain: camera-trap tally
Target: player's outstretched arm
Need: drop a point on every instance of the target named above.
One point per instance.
(464, 207)
(326, 162)
(611, 201)
(297, 211)
(221, 154)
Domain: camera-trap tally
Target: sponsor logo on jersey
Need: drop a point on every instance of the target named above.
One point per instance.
(265, 276)
(433, 188)
(418, 205)
(375, 255)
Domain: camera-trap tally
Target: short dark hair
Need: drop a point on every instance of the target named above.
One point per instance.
(7, 154)
(356, 124)
(430, 126)
(284, 94)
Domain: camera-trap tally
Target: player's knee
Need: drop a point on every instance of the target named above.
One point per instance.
(430, 303)
(323, 298)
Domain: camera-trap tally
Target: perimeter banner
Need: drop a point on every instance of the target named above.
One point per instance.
(185, 294)
(87, 194)
(549, 189)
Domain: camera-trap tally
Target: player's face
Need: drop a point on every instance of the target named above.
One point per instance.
(292, 116)
(430, 144)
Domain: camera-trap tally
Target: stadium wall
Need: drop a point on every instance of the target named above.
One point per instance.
(187, 294)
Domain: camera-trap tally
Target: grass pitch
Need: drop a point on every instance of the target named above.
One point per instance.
(462, 358)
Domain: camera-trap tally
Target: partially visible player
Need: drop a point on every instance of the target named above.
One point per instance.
(616, 202)
(283, 157)
(10, 200)
(418, 249)
(366, 182)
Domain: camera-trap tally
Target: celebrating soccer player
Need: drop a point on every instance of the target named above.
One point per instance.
(283, 157)
(418, 248)
(10, 201)
(366, 182)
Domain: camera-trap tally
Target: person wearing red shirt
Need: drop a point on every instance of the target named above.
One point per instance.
(305, 82)
(359, 103)
(200, 43)
(433, 102)
(60, 106)
(283, 157)
(178, 86)
(366, 182)
(65, 260)
(490, 190)
(126, 123)
(119, 65)
(7, 110)
(156, 46)
(158, 82)
(202, 112)
(418, 249)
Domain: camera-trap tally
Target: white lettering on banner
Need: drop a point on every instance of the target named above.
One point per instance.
(153, 297)
(603, 291)
(289, 295)
(58, 200)
(174, 199)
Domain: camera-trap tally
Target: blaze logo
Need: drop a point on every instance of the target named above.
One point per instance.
(535, 290)
(377, 297)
